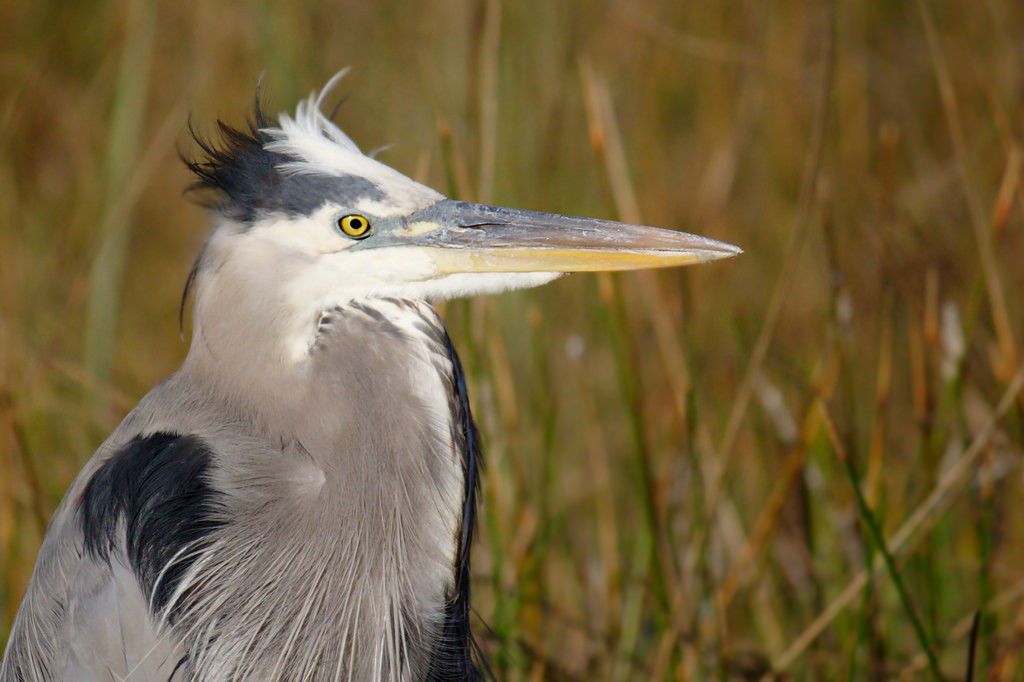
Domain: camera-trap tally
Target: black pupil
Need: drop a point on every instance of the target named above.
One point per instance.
(356, 223)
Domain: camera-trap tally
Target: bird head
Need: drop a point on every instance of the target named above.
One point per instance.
(299, 200)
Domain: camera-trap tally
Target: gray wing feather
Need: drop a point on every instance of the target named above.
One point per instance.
(83, 619)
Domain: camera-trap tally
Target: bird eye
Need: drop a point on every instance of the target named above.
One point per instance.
(355, 226)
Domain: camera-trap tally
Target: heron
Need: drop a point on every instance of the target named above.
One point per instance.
(298, 500)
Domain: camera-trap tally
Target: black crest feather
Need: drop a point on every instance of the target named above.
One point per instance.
(239, 177)
(235, 172)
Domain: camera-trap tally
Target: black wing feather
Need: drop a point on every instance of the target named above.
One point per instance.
(154, 496)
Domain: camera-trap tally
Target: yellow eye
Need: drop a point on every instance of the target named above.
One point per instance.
(355, 226)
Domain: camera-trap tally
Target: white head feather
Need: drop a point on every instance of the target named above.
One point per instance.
(324, 149)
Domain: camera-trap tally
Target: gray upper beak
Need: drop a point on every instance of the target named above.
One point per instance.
(468, 237)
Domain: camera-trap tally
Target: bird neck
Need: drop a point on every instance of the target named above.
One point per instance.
(250, 344)
(377, 403)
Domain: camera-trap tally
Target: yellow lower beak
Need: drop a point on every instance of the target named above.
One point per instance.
(512, 259)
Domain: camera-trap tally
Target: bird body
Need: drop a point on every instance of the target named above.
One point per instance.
(322, 501)
(298, 500)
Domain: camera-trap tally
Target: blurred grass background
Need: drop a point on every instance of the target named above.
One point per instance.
(672, 457)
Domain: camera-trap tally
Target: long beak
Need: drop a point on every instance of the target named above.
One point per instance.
(465, 237)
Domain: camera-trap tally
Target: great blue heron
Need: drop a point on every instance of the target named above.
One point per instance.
(297, 501)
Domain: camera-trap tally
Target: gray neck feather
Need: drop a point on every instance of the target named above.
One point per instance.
(344, 512)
